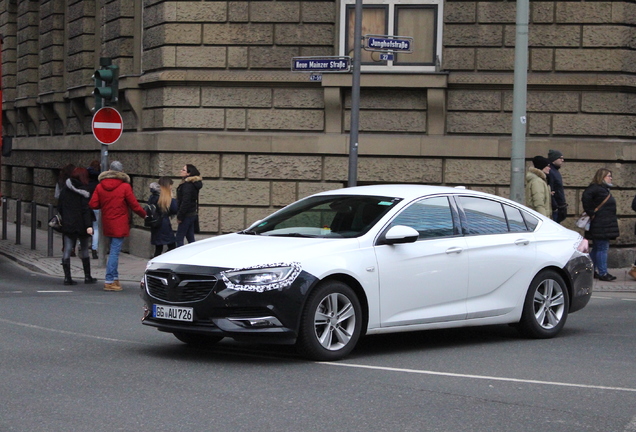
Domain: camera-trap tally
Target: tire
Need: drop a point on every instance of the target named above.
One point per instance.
(331, 322)
(197, 340)
(545, 309)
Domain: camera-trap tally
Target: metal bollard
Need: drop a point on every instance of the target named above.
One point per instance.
(18, 221)
(34, 223)
(4, 218)
(49, 243)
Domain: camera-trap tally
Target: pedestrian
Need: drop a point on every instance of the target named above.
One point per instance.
(161, 196)
(600, 205)
(114, 197)
(188, 202)
(538, 196)
(555, 181)
(77, 223)
(94, 170)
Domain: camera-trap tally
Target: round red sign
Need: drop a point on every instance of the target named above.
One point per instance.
(107, 125)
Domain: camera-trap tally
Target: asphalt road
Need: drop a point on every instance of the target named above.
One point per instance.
(78, 359)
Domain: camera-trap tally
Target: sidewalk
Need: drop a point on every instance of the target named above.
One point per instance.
(131, 268)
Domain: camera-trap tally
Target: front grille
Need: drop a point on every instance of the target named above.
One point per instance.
(179, 288)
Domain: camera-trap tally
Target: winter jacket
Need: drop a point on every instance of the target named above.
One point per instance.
(555, 181)
(114, 196)
(73, 207)
(163, 234)
(604, 225)
(188, 197)
(538, 196)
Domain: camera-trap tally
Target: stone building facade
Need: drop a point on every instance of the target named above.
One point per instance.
(209, 83)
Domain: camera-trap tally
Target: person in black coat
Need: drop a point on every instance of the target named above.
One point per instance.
(600, 205)
(188, 202)
(161, 196)
(77, 223)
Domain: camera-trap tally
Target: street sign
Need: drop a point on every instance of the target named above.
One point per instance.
(321, 64)
(387, 43)
(386, 57)
(107, 125)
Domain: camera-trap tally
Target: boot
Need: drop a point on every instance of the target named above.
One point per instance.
(66, 265)
(94, 254)
(88, 279)
(632, 271)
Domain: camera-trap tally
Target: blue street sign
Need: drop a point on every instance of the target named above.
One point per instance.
(321, 64)
(314, 77)
(386, 57)
(385, 43)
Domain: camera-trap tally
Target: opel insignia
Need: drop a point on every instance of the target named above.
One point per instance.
(338, 265)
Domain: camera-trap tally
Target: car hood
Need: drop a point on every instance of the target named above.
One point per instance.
(240, 250)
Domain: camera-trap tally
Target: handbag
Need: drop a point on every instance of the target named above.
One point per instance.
(585, 220)
(56, 222)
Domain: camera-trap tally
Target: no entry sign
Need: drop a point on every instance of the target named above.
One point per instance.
(107, 125)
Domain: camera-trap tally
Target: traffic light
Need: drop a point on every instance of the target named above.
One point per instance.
(106, 84)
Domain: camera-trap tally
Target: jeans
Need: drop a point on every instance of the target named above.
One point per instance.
(113, 260)
(599, 255)
(95, 245)
(186, 229)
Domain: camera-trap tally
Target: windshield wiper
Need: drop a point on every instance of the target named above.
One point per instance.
(248, 232)
(294, 235)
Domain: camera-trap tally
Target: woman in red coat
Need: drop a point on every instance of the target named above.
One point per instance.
(114, 196)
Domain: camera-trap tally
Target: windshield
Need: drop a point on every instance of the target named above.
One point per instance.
(329, 216)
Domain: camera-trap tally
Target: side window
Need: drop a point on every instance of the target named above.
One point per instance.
(431, 217)
(531, 221)
(515, 219)
(483, 216)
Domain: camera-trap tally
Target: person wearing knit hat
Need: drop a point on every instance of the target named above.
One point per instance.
(538, 196)
(555, 181)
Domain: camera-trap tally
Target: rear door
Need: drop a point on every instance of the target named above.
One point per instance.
(502, 252)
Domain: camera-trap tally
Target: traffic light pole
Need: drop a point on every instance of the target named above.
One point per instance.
(106, 93)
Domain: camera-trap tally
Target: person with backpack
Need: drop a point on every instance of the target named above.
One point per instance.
(161, 206)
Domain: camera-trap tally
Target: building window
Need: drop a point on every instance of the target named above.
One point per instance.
(419, 19)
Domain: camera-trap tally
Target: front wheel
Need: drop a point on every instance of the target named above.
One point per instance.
(546, 306)
(331, 322)
(197, 340)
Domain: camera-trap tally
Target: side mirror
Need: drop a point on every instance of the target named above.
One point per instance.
(400, 234)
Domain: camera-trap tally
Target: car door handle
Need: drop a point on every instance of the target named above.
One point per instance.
(522, 242)
(453, 250)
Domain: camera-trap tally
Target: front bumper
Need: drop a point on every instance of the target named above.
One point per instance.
(268, 317)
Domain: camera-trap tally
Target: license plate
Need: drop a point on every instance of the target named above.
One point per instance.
(172, 312)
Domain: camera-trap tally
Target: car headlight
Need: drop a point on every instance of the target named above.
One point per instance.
(261, 278)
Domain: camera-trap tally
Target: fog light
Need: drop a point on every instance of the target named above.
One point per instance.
(258, 322)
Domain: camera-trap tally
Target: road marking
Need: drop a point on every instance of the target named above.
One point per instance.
(482, 377)
(65, 332)
(55, 291)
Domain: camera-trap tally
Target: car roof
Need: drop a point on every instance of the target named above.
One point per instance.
(405, 191)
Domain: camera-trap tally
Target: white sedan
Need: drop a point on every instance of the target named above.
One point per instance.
(330, 268)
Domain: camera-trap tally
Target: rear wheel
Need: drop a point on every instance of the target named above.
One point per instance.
(331, 322)
(545, 309)
(197, 340)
